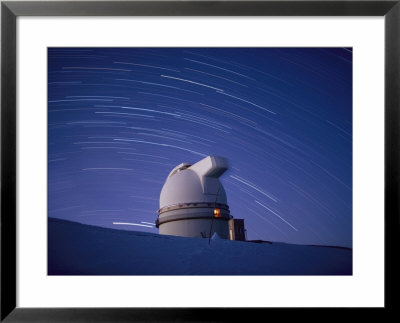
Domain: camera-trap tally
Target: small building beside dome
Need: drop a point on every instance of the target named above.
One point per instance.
(193, 201)
(237, 230)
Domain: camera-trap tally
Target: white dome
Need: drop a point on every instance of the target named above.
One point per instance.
(192, 197)
(185, 186)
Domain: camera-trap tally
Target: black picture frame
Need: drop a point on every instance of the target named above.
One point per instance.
(10, 10)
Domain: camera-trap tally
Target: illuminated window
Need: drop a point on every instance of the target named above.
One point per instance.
(217, 213)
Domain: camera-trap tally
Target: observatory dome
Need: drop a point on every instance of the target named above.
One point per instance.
(184, 185)
(191, 197)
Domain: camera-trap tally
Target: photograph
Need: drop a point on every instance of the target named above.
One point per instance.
(200, 161)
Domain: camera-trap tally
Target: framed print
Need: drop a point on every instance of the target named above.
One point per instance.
(176, 160)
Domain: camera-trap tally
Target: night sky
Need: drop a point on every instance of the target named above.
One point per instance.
(119, 120)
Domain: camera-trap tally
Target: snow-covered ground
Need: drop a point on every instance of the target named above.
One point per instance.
(78, 249)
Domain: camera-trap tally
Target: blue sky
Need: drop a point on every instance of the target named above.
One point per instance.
(119, 119)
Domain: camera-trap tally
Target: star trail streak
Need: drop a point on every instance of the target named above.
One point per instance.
(120, 119)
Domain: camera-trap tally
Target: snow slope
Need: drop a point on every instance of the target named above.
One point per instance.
(78, 249)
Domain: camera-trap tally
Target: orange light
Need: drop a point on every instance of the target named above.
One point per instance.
(217, 213)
